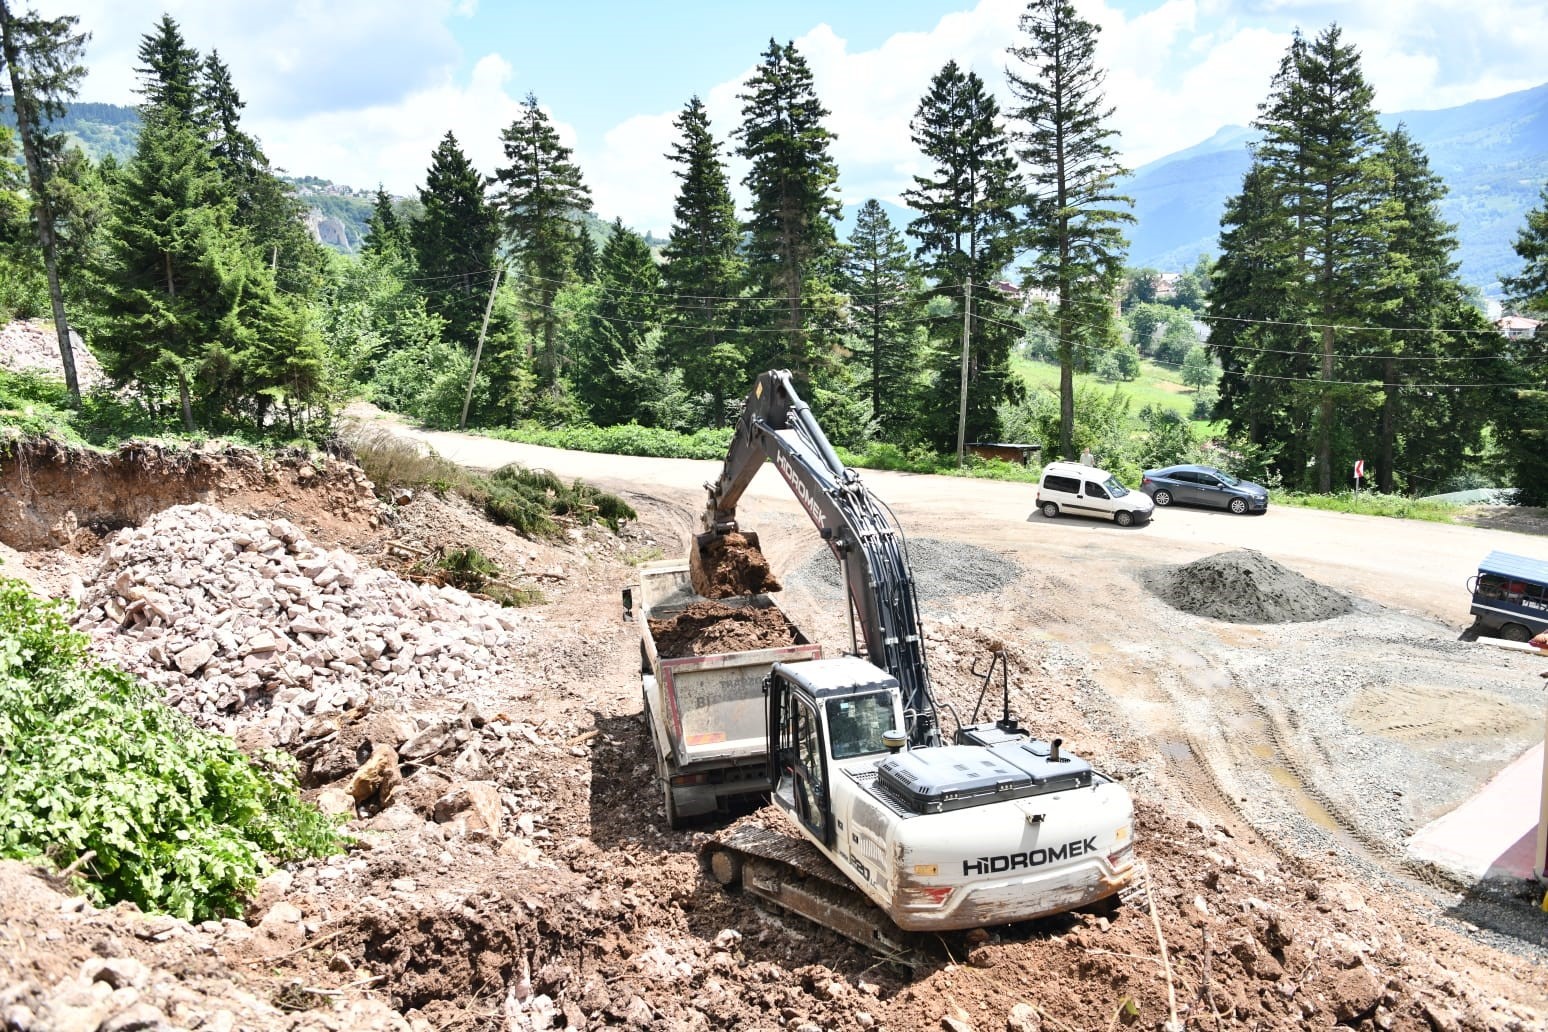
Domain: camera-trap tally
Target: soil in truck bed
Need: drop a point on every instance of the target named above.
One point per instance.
(709, 628)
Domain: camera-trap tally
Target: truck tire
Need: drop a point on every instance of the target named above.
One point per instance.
(674, 819)
(644, 659)
(1515, 632)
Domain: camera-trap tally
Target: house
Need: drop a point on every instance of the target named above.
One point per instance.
(1515, 327)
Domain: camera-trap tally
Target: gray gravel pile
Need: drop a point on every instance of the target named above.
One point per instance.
(34, 345)
(942, 569)
(242, 616)
(1245, 586)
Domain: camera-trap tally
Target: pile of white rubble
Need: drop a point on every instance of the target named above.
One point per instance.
(245, 621)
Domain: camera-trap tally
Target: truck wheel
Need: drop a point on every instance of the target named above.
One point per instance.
(674, 819)
(726, 866)
(1515, 632)
(1050, 510)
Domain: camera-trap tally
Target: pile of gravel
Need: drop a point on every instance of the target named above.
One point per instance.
(35, 345)
(243, 617)
(1245, 586)
(942, 569)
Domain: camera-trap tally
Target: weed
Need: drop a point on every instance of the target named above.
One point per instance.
(92, 763)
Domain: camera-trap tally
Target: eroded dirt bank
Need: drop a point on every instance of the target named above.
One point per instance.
(513, 870)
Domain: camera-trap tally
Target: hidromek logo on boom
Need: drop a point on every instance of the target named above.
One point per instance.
(1031, 858)
(798, 485)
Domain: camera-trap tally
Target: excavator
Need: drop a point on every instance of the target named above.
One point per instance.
(991, 827)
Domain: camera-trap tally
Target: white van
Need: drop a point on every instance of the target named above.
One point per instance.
(1078, 490)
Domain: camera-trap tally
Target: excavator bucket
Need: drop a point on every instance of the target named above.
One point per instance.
(726, 565)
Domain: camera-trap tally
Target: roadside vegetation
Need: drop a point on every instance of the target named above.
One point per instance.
(101, 779)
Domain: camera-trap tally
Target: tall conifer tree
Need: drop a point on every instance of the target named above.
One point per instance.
(1521, 420)
(703, 269)
(627, 313)
(540, 193)
(1073, 211)
(792, 179)
(41, 58)
(967, 233)
(454, 242)
(884, 288)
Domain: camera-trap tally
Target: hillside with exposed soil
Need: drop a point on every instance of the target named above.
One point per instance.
(512, 870)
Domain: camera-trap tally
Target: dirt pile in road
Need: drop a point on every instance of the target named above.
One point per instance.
(730, 565)
(1245, 586)
(710, 628)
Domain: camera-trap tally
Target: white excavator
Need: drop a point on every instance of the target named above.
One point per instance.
(991, 828)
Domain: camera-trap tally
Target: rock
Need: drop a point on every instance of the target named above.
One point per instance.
(194, 657)
(377, 777)
(637, 1013)
(477, 802)
(272, 888)
(951, 1024)
(430, 741)
(117, 972)
(281, 927)
(139, 1018)
(1355, 993)
(1023, 1017)
(728, 939)
(335, 802)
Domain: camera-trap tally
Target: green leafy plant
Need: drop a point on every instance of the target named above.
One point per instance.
(97, 772)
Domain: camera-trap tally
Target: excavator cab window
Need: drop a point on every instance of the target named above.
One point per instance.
(856, 724)
(810, 796)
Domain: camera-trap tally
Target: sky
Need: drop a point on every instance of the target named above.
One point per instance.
(361, 91)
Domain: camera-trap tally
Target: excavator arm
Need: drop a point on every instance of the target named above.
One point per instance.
(777, 426)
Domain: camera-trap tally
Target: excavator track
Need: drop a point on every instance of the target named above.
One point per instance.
(794, 875)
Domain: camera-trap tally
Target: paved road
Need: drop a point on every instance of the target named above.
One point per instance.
(1408, 564)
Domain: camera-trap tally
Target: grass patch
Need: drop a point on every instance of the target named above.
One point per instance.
(1372, 503)
(477, 574)
(98, 774)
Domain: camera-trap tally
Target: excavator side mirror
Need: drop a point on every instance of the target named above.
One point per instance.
(894, 740)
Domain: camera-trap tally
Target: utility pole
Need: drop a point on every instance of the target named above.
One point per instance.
(967, 310)
(467, 399)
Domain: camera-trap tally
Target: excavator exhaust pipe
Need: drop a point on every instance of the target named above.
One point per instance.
(724, 565)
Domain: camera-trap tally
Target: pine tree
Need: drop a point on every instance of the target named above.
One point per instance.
(454, 242)
(169, 70)
(627, 313)
(1265, 354)
(1073, 215)
(1425, 432)
(165, 308)
(792, 178)
(967, 233)
(540, 194)
(586, 256)
(1521, 420)
(884, 288)
(703, 269)
(386, 233)
(1320, 147)
(42, 57)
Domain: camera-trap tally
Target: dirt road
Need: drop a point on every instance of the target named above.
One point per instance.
(1405, 564)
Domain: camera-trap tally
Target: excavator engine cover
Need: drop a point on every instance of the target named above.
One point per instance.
(955, 777)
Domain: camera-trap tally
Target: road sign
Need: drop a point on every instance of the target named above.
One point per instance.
(1359, 468)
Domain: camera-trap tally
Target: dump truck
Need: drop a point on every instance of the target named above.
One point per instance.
(706, 712)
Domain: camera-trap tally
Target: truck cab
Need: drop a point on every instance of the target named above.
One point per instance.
(1510, 596)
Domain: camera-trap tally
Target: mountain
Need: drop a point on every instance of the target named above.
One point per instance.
(1492, 154)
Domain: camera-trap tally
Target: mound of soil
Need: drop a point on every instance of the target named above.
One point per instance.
(731, 565)
(709, 628)
(1245, 586)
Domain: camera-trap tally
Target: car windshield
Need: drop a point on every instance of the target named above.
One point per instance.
(1230, 481)
(1114, 488)
(856, 724)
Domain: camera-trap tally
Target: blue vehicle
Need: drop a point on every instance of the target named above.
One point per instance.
(1510, 596)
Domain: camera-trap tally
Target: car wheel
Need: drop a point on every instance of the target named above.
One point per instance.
(1238, 505)
(1050, 510)
(1163, 498)
(1123, 518)
(1515, 632)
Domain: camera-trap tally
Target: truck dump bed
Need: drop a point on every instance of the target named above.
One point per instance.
(707, 661)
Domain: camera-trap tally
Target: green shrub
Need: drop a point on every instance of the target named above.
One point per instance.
(92, 764)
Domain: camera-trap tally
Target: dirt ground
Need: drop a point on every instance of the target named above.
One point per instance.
(1278, 895)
